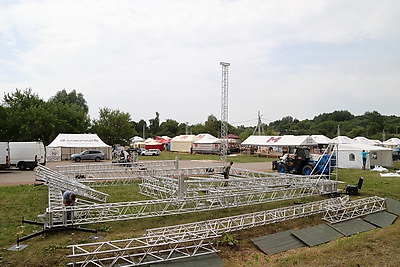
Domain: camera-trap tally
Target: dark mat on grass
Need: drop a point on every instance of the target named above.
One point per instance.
(352, 227)
(199, 261)
(276, 243)
(317, 235)
(381, 219)
(393, 206)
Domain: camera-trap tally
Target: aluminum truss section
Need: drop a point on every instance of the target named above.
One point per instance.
(354, 209)
(165, 187)
(138, 251)
(87, 214)
(129, 176)
(87, 169)
(240, 222)
(144, 250)
(58, 181)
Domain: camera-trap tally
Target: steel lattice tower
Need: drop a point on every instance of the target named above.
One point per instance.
(224, 112)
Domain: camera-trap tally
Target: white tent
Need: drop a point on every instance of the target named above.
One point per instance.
(285, 140)
(207, 144)
(349, 156)
(364, 140)
(64, 145)
(392, 142)
(182, 143)
(341, 139)
(321, 139)
(136, 139)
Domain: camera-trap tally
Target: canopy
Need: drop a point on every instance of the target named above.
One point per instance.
(64, 145)
(342, 139)
(78, 140)
(321, 139)
(364, 140)
(207, 139)
(392, 142)
(285, 140)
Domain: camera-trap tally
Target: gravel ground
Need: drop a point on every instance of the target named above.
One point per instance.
(14, 176)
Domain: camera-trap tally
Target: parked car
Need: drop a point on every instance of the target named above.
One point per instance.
(95, 155)
(150, 152)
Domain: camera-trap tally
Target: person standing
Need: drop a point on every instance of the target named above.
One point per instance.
(364, 155)
(226, 172)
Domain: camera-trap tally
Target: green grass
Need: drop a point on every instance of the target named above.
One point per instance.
(237, 158)
(373, 248)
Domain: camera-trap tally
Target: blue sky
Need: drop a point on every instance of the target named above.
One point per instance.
(288, 58)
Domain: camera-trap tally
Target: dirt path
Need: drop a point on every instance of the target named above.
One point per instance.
(17, 177)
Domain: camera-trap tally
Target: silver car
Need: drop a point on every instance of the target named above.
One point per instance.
(95, 155)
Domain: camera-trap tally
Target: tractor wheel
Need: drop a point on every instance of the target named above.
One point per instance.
(282, 168)
(307, 170)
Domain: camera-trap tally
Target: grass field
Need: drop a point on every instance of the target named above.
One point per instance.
(380, 247)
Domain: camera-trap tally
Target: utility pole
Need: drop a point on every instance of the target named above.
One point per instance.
(259, 128)
(224, 112)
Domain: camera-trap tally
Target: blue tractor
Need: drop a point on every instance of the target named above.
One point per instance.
(300, 162)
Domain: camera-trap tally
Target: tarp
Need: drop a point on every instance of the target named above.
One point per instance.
(64, 145)
(349, 156)
(285, 140)
(183, 143)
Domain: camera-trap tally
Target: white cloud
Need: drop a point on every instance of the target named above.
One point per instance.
(148, 56)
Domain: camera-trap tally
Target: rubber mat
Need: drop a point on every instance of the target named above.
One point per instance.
(276, 243)
(352, 227)
(381, 219)
(393, 206)
(199, 261)
(317, 235)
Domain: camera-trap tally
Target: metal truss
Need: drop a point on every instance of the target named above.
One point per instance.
(240, 222)
(163, 244)
(55, 180)
(87, 169)
(130, 176)
(87, 214)
(144, 250)
(166, 187)
(354, 209)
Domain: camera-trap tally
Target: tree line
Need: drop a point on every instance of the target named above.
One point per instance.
(29, 117)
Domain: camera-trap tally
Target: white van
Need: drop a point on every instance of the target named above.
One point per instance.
(25, 155)
(4, 155)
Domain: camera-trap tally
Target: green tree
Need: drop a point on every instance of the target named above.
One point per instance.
(141, 128)
(154, 126)
(169, 128)
(70, 98)
(114, 127)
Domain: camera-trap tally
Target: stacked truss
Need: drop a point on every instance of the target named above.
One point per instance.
(89, 168)
(354, 209)
(59, 182)
(95, 213)
(239, 181)
(163, 244)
